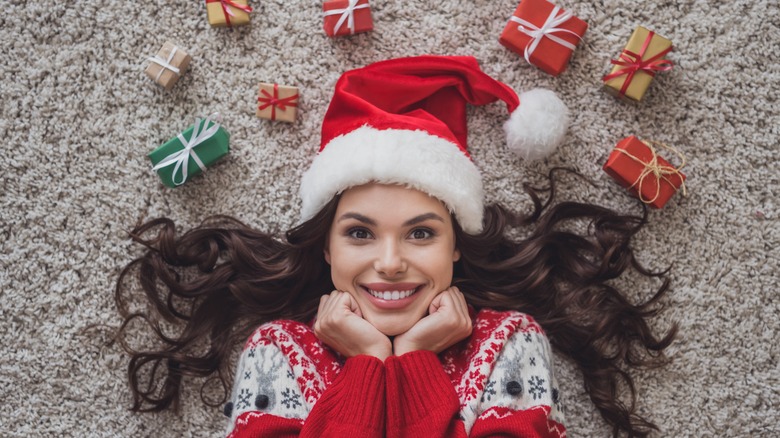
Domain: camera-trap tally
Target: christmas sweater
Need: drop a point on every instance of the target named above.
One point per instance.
(498, 381)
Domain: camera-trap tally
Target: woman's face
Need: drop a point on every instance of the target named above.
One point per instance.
(392, 249)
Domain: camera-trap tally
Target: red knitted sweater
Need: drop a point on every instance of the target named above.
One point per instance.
(497, 382)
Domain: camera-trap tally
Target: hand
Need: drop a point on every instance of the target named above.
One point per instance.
(448, 322)
(341, 326)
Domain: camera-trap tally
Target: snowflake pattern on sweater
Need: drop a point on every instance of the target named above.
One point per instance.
(503, 367)
(497, 370)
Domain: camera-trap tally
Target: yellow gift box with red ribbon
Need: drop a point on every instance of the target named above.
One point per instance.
(635, 68)
(227, 13)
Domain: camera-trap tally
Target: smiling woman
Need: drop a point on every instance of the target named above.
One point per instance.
(392, 250)
(400, 306)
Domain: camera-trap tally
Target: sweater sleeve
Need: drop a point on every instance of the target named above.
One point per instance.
(268, 402)
(265, 391)
(519, 398)
(420, 398)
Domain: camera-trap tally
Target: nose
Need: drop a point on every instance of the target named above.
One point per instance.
(390, 260)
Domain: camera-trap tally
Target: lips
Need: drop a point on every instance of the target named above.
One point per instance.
(391, 295)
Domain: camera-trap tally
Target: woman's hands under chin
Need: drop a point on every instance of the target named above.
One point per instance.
(448, 322)
(341, 326)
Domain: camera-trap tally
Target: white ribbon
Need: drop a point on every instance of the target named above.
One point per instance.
(165, 63)
(548, 28)
(181, 158)
(347, 14)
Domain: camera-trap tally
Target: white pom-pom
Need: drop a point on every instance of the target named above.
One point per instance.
(538, 125)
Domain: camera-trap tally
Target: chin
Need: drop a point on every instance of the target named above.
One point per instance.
(391, 327)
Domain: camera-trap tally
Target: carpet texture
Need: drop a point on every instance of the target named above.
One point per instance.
(79, 116)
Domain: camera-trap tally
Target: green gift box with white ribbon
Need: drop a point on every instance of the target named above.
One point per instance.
(190, 152)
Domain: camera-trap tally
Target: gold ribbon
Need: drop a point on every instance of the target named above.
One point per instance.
(659, 171)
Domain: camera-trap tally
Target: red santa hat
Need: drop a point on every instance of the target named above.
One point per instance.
(403, 121)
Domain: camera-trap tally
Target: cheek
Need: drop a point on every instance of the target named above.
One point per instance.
(342, 270)
(438, 266)
(444, 276)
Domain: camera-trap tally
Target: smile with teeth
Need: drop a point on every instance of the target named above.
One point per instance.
(391, 295)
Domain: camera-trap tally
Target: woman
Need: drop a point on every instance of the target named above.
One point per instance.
(430, 319)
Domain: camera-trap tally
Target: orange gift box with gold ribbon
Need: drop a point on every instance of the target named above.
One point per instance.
(636, 165)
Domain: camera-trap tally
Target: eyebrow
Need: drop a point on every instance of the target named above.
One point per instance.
(422, 218)
(413, 221)
(358, 217)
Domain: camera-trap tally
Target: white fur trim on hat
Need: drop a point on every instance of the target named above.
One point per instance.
(415, 159)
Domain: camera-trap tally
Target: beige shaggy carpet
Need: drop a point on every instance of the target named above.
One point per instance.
(79, 117)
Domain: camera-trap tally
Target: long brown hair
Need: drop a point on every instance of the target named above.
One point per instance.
(222, 279)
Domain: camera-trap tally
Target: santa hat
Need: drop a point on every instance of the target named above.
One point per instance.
(403, 121)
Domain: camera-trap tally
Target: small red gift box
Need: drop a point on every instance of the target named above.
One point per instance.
(635, 164)
(544, 34)
(347, 17)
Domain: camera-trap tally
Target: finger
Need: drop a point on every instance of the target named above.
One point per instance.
(355, 306)
(340, 300)
(335, 300)
(323, 303)
(463, 308)
(463, 305)
(454, 303)
(346, 302)
(444, 299)
(435, 303)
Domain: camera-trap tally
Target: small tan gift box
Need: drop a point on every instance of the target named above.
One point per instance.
(277, 102)
(169, 63)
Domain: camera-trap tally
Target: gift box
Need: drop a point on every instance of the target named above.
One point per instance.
(226, 13)
(544, 34)
(168, 65)
(633, 71)
(635, 164)
(347, 17)
(277, 102)
(190, 152)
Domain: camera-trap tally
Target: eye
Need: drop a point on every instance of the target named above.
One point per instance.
(421, 234)
(358, 233)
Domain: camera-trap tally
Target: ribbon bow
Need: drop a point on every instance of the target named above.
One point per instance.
(274, 101)
(347, 14)
(549, 27)
(165, 64)
(657, 170)
(180, 159)
(228, 13)
(633, 62)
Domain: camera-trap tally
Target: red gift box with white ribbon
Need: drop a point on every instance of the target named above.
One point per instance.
(347, 17)
(544, 34)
